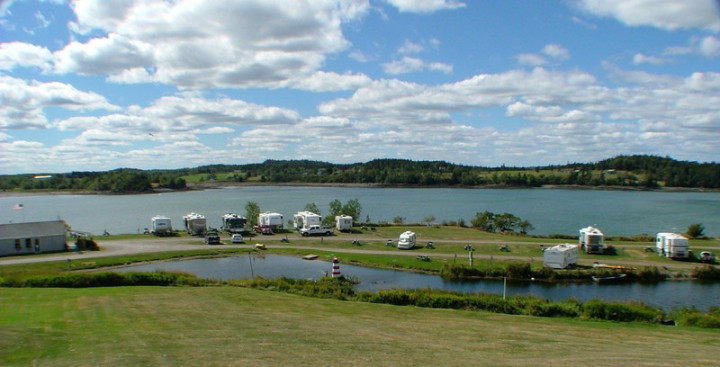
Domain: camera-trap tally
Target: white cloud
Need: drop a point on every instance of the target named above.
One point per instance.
(531, 60)
(412, 64)
(324, 81)
(24, 101)
(253, 43)
(425, 6)
(14, 54)
(665, 14)
(410, 48)
(640, 59)
(556, 52)
(710, 46)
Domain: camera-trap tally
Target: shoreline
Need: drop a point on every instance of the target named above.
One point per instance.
(228, 184)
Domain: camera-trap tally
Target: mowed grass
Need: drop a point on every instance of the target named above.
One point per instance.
(227, 326)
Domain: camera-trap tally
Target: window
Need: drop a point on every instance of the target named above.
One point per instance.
(28, 243)
(18, 244)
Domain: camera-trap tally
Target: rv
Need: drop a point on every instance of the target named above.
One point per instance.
(672, 245)
(273, 221)
(195, 224)
(344, 223)
(406, 240)
(591, 240)
(560, 256)
(234, 223)
(161, 226)
(305, 219)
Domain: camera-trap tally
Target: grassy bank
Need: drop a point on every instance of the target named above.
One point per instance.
(226, 326)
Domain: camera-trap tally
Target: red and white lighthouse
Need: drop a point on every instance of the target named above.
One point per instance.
(335, 267)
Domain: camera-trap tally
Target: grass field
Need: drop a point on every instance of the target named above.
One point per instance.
(226, 326)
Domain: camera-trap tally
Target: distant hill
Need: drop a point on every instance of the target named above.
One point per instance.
(638, 171)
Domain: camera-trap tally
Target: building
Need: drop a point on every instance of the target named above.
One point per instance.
(32, 237)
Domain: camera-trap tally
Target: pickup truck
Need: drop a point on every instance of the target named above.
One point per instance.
(316, 230)
(212, 238)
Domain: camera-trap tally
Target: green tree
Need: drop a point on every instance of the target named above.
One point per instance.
(484, 221)
(311, 207)
(252, 211)
(398, 220)
(695, 230)
(428, 220)
(353, 209)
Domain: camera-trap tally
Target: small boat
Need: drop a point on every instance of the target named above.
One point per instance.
(260, 246)
(609, 279)
(310, 257)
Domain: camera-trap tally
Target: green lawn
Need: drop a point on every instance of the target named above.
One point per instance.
(226, 326)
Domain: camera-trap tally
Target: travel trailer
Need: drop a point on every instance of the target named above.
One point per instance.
(161, 225)
(406, 240)
(591, 240)
(560, 256)
(672, 245)
(344, 223)
(306, 219)
(195, 224)
(273, 221)
(234, 223)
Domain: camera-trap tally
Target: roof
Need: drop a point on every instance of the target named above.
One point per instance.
(32, 229)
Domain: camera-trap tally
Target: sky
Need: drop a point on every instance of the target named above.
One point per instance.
(94, 85)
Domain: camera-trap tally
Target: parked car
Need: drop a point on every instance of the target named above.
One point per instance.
(237, 238)
(263, 229)
(212, 238)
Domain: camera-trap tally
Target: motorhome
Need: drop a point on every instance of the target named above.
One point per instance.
(195, 224)
(161, 225)
(343, 223)
(273, 221)
(561, 256)
(672, 245)
(591, 240)
(406, 240)
(234, 223)
(305, 219)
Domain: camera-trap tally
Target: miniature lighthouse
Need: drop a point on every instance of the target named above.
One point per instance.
(335, 267)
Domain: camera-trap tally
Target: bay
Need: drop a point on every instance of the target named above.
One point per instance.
(549, 210)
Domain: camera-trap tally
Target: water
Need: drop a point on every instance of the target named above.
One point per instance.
(549, 210)
(666, 295)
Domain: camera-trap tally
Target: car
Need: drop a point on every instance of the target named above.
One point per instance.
(263, 230)
(237, 238)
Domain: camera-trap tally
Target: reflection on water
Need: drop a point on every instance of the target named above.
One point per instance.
(668, 295)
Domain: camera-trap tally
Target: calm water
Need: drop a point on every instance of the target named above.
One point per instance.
(549, 210)
(667, 295)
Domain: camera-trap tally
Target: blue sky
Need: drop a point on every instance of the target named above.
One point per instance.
(98, 85)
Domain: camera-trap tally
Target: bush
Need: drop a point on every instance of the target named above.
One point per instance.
(615, 311)
(707, 272)
(690, 316)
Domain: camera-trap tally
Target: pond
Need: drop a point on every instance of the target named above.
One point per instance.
(666, 295)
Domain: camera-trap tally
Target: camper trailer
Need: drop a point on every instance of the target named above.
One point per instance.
(234, 223)
(273, 221)
(306, 219)
(561, 256)
(406, 240)
(343, 223)
(161, 226)
(672, 245)
(591, 240)
(195, 224)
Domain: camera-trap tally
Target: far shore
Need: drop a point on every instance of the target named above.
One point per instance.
(210, 185)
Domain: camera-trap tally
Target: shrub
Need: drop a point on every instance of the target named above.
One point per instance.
(615, 311)
(707, 272)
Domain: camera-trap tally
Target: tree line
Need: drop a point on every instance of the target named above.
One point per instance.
(641, 171)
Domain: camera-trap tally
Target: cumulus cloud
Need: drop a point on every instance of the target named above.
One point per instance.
(554, 52)
(14, 54)
(640, 59)
(412, 64)
(425, 6)
(665, 14)
(24, 101)
(256, 43)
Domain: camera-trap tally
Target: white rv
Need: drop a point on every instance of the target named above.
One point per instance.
(560, 256)
(273, 221)
(234, 223)
(195, 224)
(161, 225)
(343, 223)
(406, 240)
(306, 219)
(672, 245)
(591, 240)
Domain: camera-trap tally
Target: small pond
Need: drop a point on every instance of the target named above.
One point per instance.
(667, 295)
